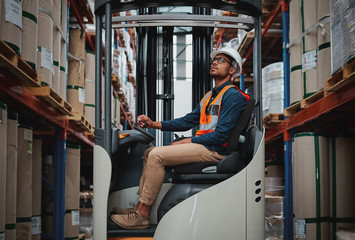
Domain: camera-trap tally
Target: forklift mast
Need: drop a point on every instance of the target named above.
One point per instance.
(146, 75)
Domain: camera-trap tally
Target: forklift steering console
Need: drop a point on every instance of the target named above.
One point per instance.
(137, 135)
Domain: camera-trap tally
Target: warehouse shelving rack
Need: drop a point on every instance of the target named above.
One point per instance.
(50, 115)
(317, 113)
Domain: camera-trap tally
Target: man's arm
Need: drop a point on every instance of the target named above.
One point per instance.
(145, 122)
(185, 123)
(180, 124)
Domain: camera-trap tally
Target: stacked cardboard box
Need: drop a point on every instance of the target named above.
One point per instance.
(11, 24)
(342, 194)
(24, 183)
(51, 57)
(11, 175)
(3, 146)
(310, 47)
(310, 186)
(37, 189)
(76, 71)
(30, 32)
(90, 86)
(72, 191)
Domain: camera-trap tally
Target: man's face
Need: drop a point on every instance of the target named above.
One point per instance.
(221, 67)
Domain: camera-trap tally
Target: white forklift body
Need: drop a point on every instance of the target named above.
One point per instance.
(231, 209)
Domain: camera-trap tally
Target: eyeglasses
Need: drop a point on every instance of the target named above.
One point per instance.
(220, 60)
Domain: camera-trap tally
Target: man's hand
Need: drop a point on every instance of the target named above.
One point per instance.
(145, 122)
(186, 140)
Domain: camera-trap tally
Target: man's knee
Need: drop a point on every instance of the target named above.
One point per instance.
(146, 153)
(155, 157)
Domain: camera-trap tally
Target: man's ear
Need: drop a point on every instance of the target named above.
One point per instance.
(232, 70)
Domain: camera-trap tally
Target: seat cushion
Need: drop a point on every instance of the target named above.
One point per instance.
(193, 168)
(211, 178)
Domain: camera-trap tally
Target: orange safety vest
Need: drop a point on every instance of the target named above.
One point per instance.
(209, 122)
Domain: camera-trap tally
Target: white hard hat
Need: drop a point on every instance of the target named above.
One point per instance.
(232, 53)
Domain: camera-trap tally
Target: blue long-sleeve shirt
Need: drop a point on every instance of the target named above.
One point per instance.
(233, 103)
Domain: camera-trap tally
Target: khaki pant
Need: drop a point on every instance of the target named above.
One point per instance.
(156, 158)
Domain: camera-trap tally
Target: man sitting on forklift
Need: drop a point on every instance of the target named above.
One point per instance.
(216, 115)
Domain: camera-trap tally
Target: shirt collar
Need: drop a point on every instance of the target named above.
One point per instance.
(215, 91)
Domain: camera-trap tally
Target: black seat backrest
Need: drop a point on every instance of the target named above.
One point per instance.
(231, 163)
(248, 149)
(240, 128)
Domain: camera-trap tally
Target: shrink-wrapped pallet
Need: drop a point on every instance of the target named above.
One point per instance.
(273, 88)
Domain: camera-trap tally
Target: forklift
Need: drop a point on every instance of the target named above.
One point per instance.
(220, 201)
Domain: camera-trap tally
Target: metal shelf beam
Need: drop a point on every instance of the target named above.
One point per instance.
(315, 110)
(37, 106)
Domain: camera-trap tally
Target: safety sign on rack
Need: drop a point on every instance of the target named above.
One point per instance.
(309, 60)
(13, 12)
(300, 228)
(36, 225)
(75, 218)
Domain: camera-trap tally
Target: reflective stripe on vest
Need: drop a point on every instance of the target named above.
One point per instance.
(208, 122)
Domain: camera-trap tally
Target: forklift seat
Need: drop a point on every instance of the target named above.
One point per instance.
(214, 172)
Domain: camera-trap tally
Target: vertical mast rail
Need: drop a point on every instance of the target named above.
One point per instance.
(108, 87)
(257, 74)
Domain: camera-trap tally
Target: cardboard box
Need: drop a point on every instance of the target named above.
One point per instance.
(36, 187)
(72, 177)
(3, 147)
(310, 172)
(11, 175)
(342, 193)
(24, 183)
(72, 224)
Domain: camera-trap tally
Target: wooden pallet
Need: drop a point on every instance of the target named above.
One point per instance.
(81, 121)
(312, 99)
(90, 135)
(342, 78)
(49, 95)
(272, 119)
(295, 108)
(9, 60)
